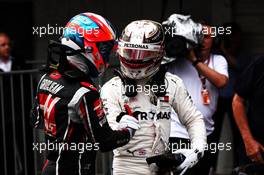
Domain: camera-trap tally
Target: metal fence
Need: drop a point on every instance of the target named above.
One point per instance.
(17, 136)
(16, 92)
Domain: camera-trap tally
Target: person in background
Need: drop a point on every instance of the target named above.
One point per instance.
(203, 74)
(248, 111)
(14, 147)
(7, 62)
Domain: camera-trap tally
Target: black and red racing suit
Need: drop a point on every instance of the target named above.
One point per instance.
(75, 126)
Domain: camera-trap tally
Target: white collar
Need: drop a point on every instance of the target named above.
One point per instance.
(6, 66)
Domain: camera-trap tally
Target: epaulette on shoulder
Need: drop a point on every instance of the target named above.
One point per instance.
(88, 85)
(174, 78)
(113, 81)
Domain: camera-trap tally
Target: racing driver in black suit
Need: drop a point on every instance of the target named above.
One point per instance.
(67, 104)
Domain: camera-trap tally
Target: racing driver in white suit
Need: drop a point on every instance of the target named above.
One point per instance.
(145, 90)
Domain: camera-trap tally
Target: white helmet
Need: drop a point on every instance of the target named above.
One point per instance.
(141, 48)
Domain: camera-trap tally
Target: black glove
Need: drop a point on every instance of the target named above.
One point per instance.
(167, 160)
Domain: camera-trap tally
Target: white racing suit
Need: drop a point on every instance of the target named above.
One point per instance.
(154, 119)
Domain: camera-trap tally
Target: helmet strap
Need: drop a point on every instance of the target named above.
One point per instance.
(127, 82)
(159, 80)
(57, 60)
(56, 57)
